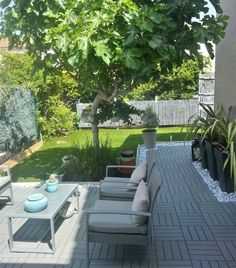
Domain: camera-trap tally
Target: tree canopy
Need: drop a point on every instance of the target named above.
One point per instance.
(109, 46)
(179, 83)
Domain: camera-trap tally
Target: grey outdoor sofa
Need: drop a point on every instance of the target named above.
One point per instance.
(111, 221)
(5, 181)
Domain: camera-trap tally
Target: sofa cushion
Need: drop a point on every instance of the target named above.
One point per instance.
(116, 179)
(140, 203)
(117, 190)
(139, 173)
(114, 223)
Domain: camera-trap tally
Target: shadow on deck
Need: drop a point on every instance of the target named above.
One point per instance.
(192, 229)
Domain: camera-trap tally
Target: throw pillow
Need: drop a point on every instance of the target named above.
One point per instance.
(139, 173)
(140, 203)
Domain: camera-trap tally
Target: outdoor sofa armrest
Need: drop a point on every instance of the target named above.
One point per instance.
(117, 166)
(128, 188)
(118, 212)
(128, 184)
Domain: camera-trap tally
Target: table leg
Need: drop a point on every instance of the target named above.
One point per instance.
(9, 220)
(53, 235)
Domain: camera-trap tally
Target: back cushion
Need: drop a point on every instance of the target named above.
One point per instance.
(139, 173)
(140, 203)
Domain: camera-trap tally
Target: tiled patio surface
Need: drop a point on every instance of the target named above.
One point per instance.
(192, 229)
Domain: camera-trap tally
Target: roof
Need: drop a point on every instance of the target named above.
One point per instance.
(4, 43)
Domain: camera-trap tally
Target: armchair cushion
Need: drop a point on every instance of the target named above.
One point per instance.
(117, 189)
(112, 223)
(116, 179)
(140, 203)
(139, 173)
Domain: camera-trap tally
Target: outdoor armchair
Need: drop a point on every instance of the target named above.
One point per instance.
(112, 221)
(5, 181)
(114, 188)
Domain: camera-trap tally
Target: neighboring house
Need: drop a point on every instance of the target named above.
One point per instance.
(225, 73)
(4, 44)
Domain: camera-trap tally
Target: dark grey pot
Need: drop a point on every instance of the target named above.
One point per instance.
(225, 179)
(212, 165)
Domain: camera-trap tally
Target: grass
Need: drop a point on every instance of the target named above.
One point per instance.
(47, 160)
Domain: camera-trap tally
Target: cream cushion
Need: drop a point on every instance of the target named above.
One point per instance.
(139, 173)
(140, 203)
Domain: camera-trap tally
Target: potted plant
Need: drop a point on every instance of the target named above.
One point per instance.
(52, 183)
(150, 122)
(70, 168)
(218, 130)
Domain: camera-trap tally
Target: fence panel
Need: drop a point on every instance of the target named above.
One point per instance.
(171, 112)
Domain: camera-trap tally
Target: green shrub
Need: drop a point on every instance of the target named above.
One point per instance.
(149, 118)
(18, 127)
(58, 119)
(90, 162)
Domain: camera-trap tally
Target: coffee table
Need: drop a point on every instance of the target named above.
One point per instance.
(56, 200)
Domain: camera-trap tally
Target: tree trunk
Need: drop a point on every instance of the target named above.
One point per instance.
(95, 130)
(101, 96)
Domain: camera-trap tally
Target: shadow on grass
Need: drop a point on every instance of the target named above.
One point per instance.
(42, 163)
(132, 141)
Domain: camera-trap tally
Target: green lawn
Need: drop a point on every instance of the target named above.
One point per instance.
(48, 159)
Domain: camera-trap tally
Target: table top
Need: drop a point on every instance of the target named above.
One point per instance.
(56, 200)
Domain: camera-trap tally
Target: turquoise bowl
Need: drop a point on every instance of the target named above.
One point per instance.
(52, 186)
(35, 202)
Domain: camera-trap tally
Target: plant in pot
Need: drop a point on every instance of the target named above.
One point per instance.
(224, 129)
(218, 131)
(150, 122)
(52, 183)
(197, 126)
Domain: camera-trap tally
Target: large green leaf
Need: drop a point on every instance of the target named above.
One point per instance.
(131, 58)
(103, 51)
(83, 44)
(155, 42)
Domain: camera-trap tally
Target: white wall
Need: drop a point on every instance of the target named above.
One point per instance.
(225, 72)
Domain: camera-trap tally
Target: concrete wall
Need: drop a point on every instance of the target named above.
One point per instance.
(225, 73)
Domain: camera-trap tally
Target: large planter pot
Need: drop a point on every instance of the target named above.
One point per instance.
(203, 151)
(212, 165)
(149, 138)
(225, 179)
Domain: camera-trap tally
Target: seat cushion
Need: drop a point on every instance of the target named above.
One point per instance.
(117, 190)
(114, 223)
(139, 173)
(4, 181)
(140, 203)
(116, 179)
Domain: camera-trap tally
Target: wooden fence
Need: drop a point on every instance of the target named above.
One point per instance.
(171, 113)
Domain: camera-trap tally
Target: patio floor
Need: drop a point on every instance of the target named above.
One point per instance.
(192, 229)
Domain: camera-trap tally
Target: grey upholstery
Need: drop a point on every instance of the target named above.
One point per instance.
(111, 221)
(5, 181)
(114, 223)
(113, 189)
(116, 179)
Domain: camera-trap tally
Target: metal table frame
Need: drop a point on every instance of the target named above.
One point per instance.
(51, 216)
